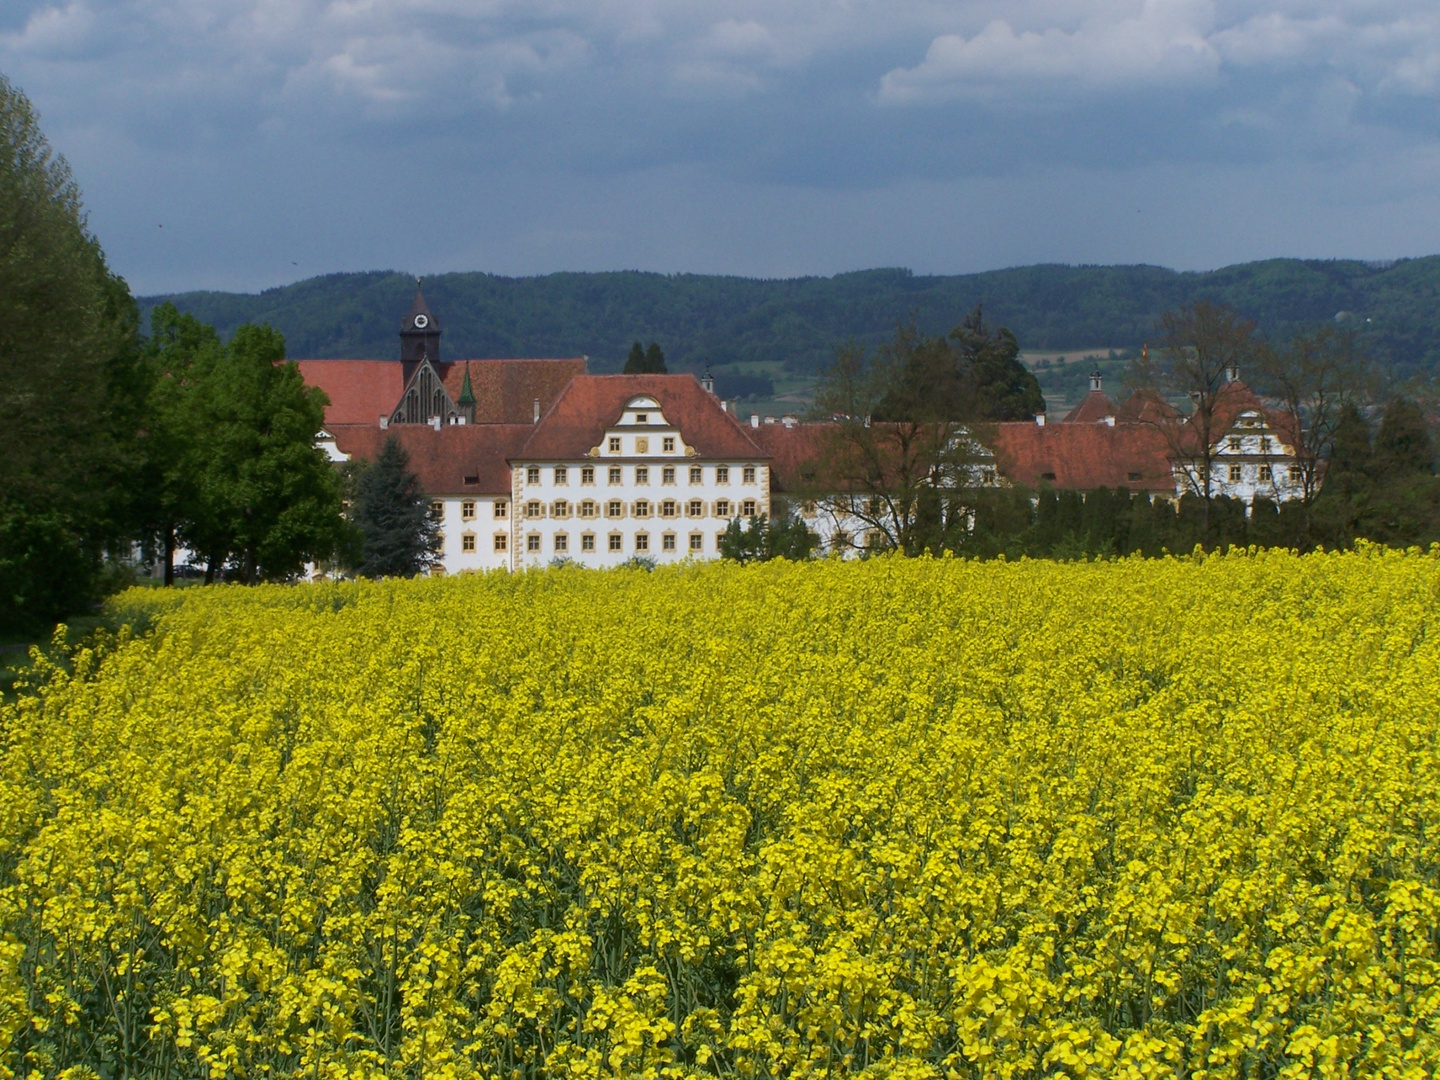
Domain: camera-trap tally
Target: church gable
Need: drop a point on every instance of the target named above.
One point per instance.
(425, 399)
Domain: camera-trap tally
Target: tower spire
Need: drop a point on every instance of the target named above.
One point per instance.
(419, 335)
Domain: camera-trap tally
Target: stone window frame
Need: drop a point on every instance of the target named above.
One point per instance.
(560, 508)
(722, 474)
(722, 508)
(695, 508)
(615, 542)
(748, 508)
(697, 541)
(614, 444)
(467, 542)
(697, 474)
(667, 541)
(615, 508)
(667, 444)
(642, 542)
(747, 474)
(532, 543)
(501, 510)
(502, 542)
(587, 541)
(532, 474)
(562, 476)
(641, 508)
(561, 542)
(615, 475)
(642, 475)
(669, 508)
(467, 510)
(589, 508)
(587, 474)
(534, 510)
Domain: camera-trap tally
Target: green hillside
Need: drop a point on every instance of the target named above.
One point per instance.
(791, 326)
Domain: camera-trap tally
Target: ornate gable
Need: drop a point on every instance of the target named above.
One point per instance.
(424, 398)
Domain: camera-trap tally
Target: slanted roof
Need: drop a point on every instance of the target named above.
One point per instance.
(796, 452)
(590, 404)
(505, 390)
(1147, 406)
(1094, 407)
(445, 460)
(418, 306)
(360, 391)
(1083, 457)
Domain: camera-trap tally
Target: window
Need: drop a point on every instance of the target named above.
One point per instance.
(1264, 444)
(1234, 444)
(532, 542)
(722, 474)
(667, 444)
(467, 510)
(587, 542)
(987, 476)
(614, 474)
(562, 474)
(1234, 474)
(502, 509)
(532, 474)
(561, 508)
(667, 542)
(1265, 474)
(614, 444)
(1295, 474)
(747, 508)
(500, 541)
(873, 539)
(809, 508)
(642, 508)
(642, 541)
(722, 508)
(562, 542)
(841, 539)
(532, 508)
(467, 542)
(668, 508)
(587, 474)
(642, 418)
(667, 474)
(642, 475)
(696, 508)
(616, 542)
(614, 508)
(642, 445)
(437, 510)
(747, 476)
(697, 542)
(697, 474)
(587, 508)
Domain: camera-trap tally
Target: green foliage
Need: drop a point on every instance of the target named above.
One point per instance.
(70, 387)
(719, 321)
(645, 361)
(763, 539)
(399, 538)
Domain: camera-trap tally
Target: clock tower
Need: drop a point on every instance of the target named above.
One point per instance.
(419, 335)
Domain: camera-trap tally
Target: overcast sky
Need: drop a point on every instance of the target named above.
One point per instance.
(239, 144)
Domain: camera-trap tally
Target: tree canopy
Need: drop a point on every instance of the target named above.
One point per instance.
(398, 536)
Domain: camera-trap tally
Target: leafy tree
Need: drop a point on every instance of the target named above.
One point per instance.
(645, 361)
(399, 538)
(266, 500)
(1404, 504)
(971, 374)
(70, 388)
(763, 539)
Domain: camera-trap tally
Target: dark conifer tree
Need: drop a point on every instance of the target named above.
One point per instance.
(655, 360)
(635, 362)
(398, 536)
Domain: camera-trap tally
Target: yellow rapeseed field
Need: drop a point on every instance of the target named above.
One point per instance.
(912, 818)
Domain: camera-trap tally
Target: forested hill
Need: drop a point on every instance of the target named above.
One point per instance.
(711, 320)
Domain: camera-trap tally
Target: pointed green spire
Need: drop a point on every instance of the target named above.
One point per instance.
(467, 395)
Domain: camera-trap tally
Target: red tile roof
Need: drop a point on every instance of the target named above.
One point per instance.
(1084, 456)
(575, 424)
(1093, 407)
(505, 390)
(1145, 406)
(360, 391)
(444, 460)
(795, 452)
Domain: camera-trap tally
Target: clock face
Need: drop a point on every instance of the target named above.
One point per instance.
(422, 321)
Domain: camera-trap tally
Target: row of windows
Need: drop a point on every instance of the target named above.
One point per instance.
(642, 442)
(1266, 475)
(615, 474)
(1233, 444)
(560, 542)
(641, 508)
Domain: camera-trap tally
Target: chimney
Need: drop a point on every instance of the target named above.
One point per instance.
(754, 419)
(707, 382)
(435, 422)
(789, 421)
(769, 419)
(536, 420)
(724, 405)
(384, 422)
(1108, 421)
(1232, 373)
(1039, 419)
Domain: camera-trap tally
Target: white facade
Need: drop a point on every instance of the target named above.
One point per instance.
(1251, 460)
(642, 492)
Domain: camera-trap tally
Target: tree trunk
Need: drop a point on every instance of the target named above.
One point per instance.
(169, 556)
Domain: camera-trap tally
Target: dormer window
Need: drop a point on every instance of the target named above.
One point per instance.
(642, 418)
(614, 444)
(1234, 444)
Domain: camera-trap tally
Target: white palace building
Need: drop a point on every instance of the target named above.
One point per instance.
(528, 461)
